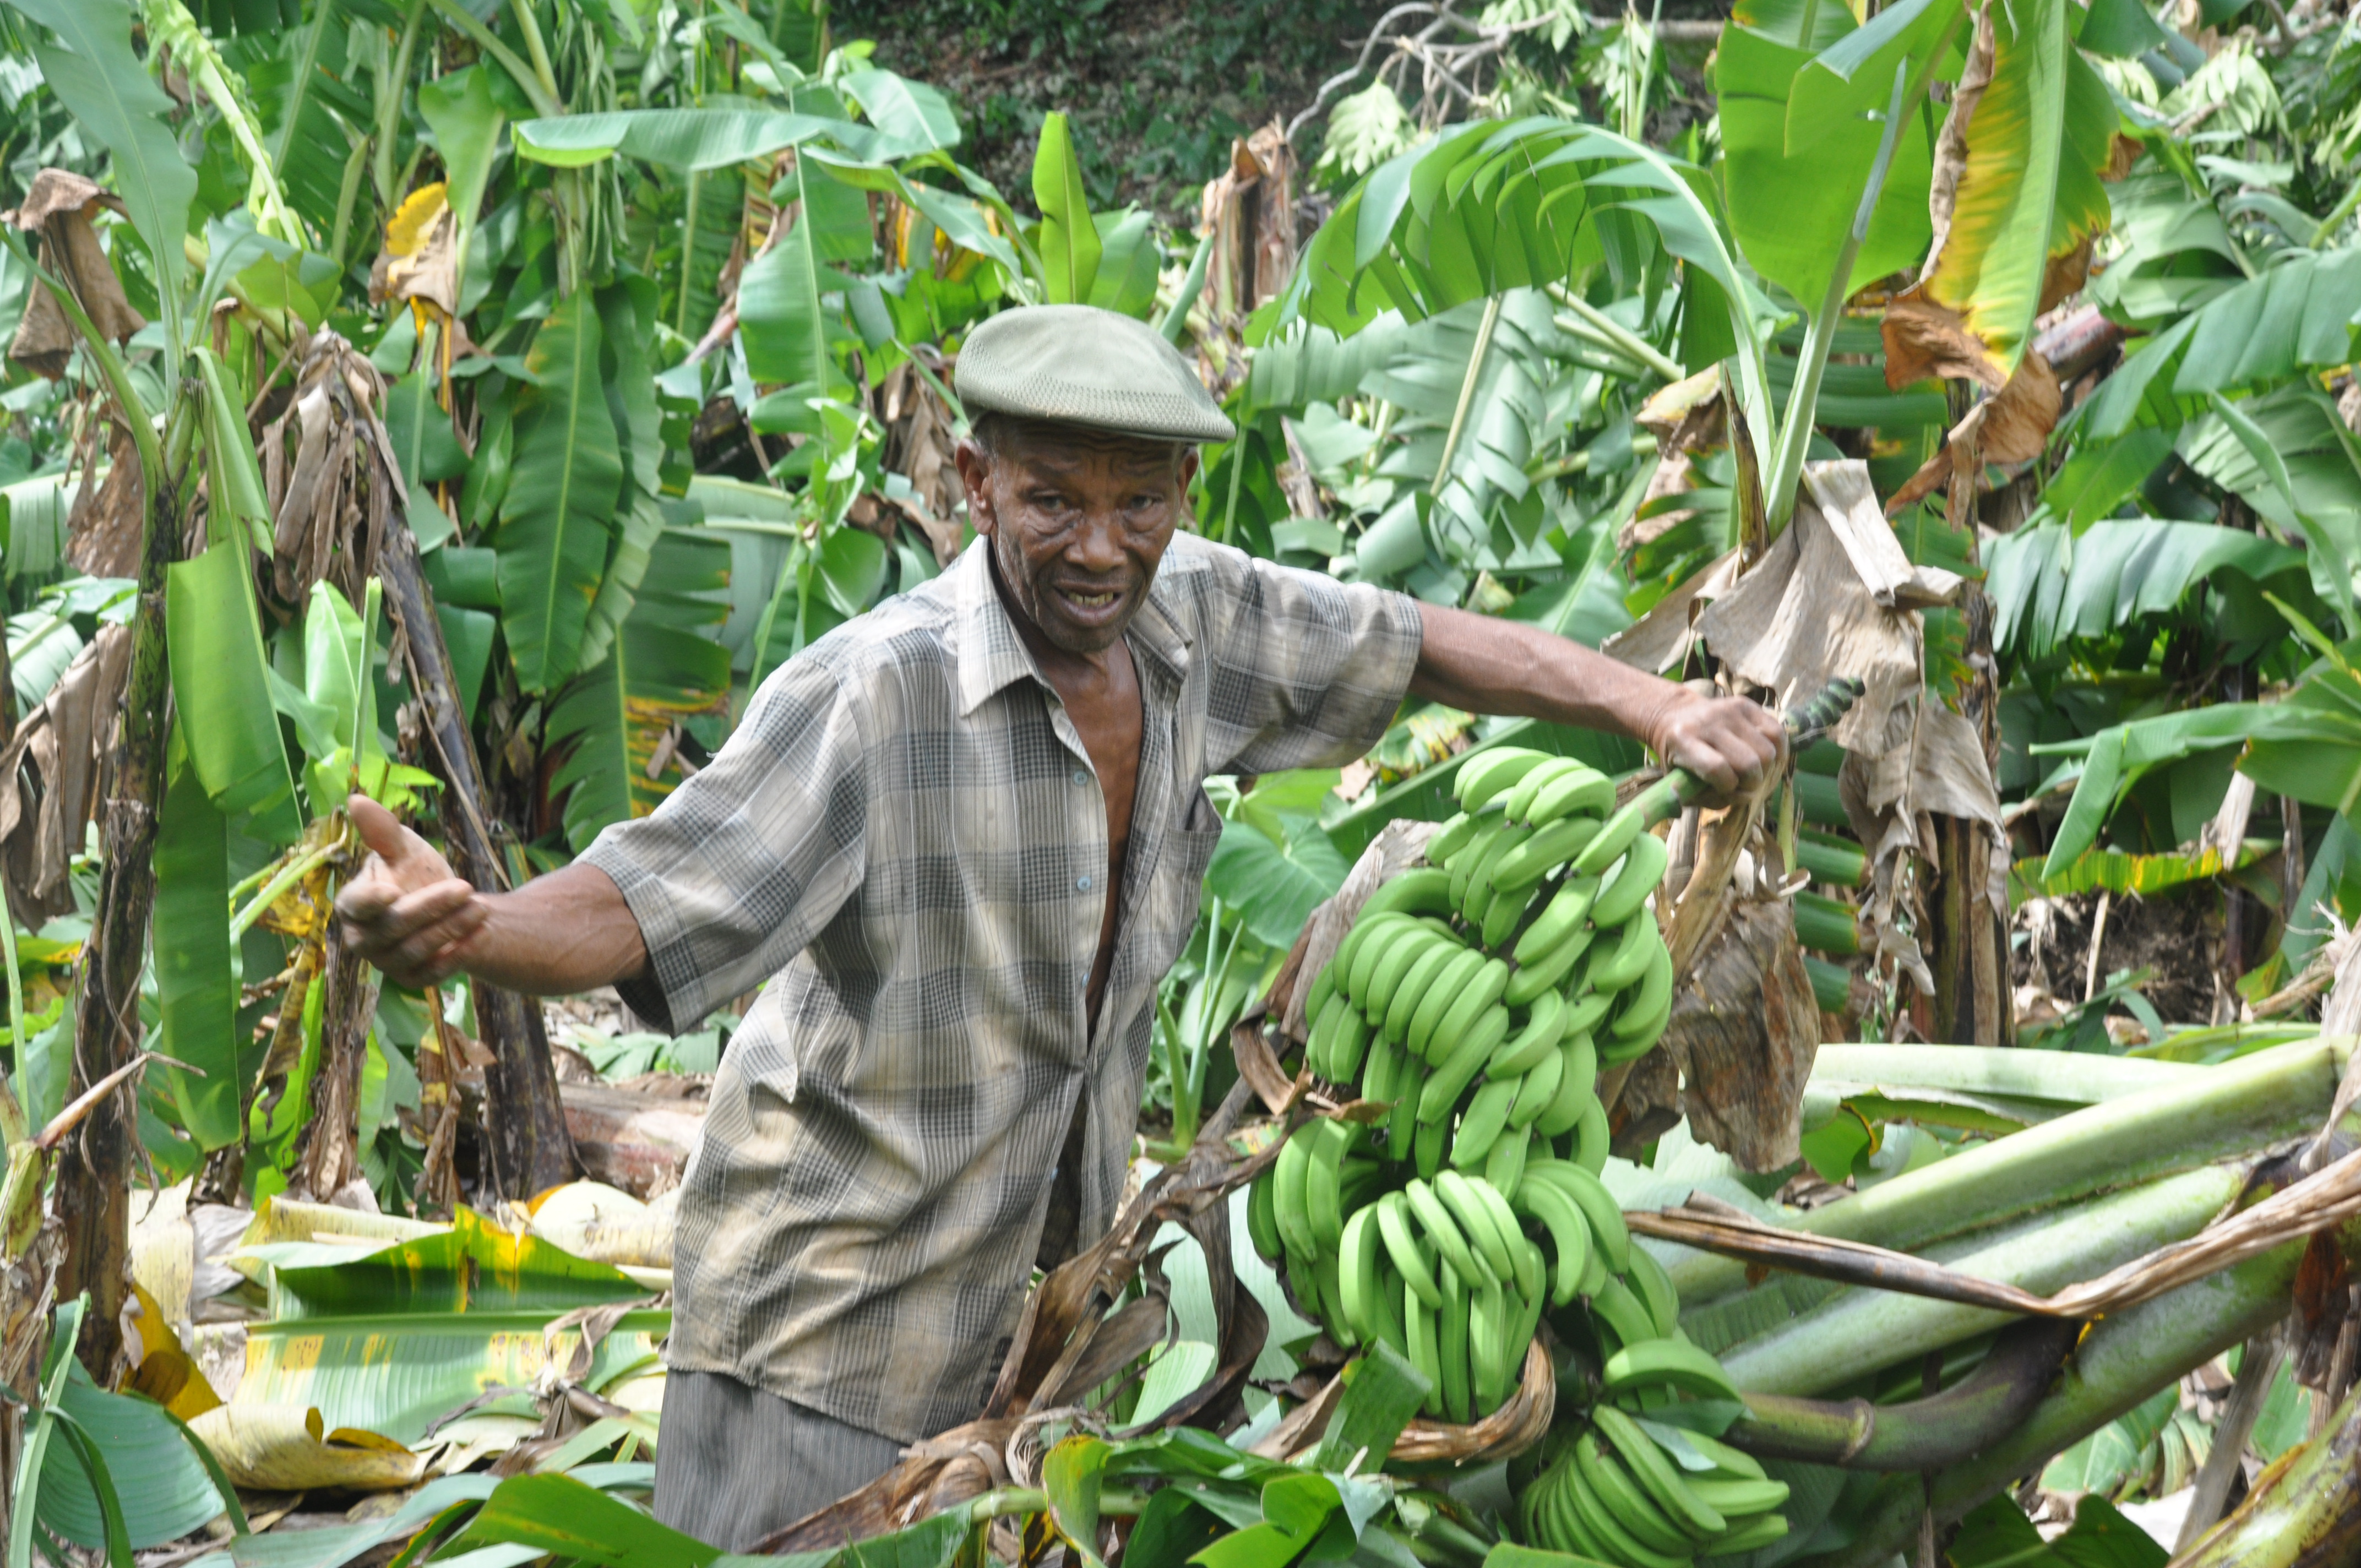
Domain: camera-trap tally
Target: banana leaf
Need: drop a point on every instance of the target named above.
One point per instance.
(683, 139)
(221, 693)
(571, 1519)
(160, 1484)
(1069, 241)
(909, 115)
(786, 327)
(559, 512)
(196, 989)
(2119, 873)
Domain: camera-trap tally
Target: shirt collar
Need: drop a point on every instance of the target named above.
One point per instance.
(992, 656)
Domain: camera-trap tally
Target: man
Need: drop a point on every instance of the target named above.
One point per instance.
(961, 838)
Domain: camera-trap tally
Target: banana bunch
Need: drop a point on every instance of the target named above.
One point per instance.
(1474, 999)
(1614, 1494)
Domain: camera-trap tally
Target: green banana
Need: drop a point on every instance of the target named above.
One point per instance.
(1668, 1363)
(1642, 867)
(1527, 985)
(1578, 1082)
(1262, 1223)
(1519, 803)
(1441, 1229)
(1451, 1345)
(1407, 965)
(1385, 940)
(1622, 1545)
(1482, 777)
(1348, 951)
(1449, 838)
(1558, 920)
(1486, 1327)
(1569, 1234)
(1565, 1520)
(1766, 1529)
(1727, 1460)
(1628, 959)
(1658, 1476)
(1544, 1026)
(1346, 1045)
(1332, 1314)
(1381, 1068)
(1436, 998)
(1419, 1328)
(1736, 1500)
(1288, 1201)
(1504, 1168)
(1654, 1286)
(1537, 1089)
(1481, 1124)
(1471, 993)
(1585, 790)
(1626, 1502)
(1535, 1268)
(1641, 812)
(1464, 863)
(1624, 1314)
(1322, 1186)
(1358, 1274)
(1485, 1239)
(1315, 1045)
(1408, 1095)
(1426, 1148)
(1548, 848)
(1418, 892)
(1324, 989)
(1457, 1072)
(1594, 1136)
(1480, 878)
(1598, 1205)
(1431, 965)
(1394, 1219)
(1586, 1008)
(1647, 1005)
(1500, 917)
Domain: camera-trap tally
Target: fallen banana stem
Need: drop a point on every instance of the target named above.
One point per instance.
(2220, 1114)
(1926, 1434)
(2304, 1510)
(2327, 1198)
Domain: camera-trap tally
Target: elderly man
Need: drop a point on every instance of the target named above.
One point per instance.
(962, 839)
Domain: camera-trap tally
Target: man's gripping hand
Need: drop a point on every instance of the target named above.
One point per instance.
(406, 912)
(1731, 746)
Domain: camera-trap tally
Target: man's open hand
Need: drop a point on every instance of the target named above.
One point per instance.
(406, 912)
(1731, 745)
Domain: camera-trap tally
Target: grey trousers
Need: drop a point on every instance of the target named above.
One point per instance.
(734, 1464)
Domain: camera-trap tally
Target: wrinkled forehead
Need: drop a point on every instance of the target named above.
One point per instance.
(1075, 448)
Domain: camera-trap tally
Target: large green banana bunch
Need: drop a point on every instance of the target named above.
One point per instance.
(1475, 998)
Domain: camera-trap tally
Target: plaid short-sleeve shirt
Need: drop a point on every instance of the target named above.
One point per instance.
(907, 840)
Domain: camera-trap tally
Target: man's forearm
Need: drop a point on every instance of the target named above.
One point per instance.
(567, 932)
(1487, 665)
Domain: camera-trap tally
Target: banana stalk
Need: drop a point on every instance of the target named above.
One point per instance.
(2123, 1360)
(2223, 1112)
(1860, 1332)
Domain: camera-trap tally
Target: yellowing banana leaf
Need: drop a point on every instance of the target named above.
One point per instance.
(288, 1448)
(2108, 870)
(394, 1336)
(2038, 122)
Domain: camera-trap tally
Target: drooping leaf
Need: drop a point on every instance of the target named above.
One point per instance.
(219, 684)
(785, 327)
(682, 138)
(197, 990)
(667, 662)
(911, 116)
(1070, 240)
(1070, 1475)
(556, 517)
(99, 78)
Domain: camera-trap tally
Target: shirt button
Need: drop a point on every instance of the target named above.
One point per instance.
(1082, 885)
(1080, 777)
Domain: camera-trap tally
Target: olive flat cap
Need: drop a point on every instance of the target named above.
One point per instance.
(1080, 365)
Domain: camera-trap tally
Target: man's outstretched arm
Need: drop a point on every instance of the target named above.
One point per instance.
(406, 912)
(1485, 664)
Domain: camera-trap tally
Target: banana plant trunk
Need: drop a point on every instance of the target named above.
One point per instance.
(528, 1148)
(93, 1191)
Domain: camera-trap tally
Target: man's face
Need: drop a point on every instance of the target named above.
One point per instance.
(1078, 520)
